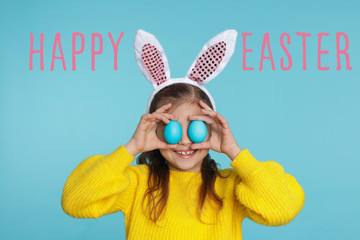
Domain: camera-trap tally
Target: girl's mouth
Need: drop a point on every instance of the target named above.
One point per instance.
(185, 154)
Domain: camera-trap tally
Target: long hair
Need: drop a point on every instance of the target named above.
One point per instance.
(158, 182)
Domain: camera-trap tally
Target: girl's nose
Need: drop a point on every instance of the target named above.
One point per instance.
(185, 140)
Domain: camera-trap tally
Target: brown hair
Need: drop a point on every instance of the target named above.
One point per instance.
(158, 181)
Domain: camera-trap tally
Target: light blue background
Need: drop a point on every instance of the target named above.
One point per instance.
(308, 121)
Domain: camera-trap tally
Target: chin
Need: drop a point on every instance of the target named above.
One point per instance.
(186, 167)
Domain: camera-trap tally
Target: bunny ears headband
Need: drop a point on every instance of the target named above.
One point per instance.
(211, 60)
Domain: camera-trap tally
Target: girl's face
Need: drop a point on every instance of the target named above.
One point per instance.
(187, 163)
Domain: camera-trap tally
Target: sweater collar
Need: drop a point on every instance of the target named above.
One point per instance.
(184, 175)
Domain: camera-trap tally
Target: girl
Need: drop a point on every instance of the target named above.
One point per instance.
(176, 191)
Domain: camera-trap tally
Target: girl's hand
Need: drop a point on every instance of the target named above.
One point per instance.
(221, 138)
(145, 138)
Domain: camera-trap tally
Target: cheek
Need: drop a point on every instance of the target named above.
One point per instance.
(166, 153)
(202, 153)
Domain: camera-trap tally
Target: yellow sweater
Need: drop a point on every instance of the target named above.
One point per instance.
(261, 191)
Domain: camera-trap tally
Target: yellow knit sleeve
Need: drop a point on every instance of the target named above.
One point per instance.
(100, 185)
(271, 196)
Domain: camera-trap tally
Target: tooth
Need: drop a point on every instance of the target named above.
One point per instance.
(185, 153)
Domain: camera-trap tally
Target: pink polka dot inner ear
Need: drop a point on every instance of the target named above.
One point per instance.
(152, 59)
(208, 62)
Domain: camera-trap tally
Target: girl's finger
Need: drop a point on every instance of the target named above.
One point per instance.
(163, 108)
(216, 115)
(170, 116)
(167, 116)
(164, 145)
(222, 120)
(171, 146)
(202, 145)
(161, 116)
(206, 119)
(208, 112)
(146, 116)
(204, 105)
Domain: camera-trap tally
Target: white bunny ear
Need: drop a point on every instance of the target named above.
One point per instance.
(151, 58)
(213, 57)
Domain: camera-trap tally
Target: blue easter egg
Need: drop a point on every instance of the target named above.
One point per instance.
(172, 132)
(197, 131)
